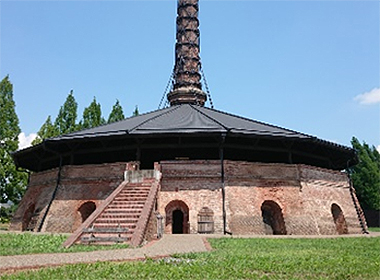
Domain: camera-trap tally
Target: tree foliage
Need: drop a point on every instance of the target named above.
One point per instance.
(366, 175)
(135, 112)
(66, 121)
(47, 130)
(116, 113)
(67, 116)
(12, 182)
(92, 116)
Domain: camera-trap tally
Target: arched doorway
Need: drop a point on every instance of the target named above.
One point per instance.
(272, 218)
(177, 217)
(339, 220)
(86, 209)
(177, 222)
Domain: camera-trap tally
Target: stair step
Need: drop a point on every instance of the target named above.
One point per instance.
(114, 239)
(116, 221)
(135, 191)
(133, 194)
(120, 216)
(106, 230)
(118, 202)
(130, 226)
(110, 211)
(130, 198)
(138, 186)
(123, 206)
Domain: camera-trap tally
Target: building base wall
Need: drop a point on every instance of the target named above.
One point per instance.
(80, 189)
(259, 198)
(195, 196)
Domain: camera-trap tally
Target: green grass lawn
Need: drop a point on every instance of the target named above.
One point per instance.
(260, 258)
(374, 229)
(28, 243)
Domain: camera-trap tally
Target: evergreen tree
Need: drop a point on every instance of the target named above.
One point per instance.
(67, 116)
(366, 175)
(12, 182)
(92, 116)
(135, 112)
(47, 130)
(116, 113)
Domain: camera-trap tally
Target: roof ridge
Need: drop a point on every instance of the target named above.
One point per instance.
(213, 119)
(166, 110)
(260, 122)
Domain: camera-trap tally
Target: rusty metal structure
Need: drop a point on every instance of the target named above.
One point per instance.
(187, 88)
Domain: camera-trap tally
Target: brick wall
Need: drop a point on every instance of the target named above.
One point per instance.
(36, 198)
(321, 189)
(195, 183)
(78, 185)
(304, 194)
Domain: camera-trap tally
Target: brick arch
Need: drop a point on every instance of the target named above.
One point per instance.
(27, 216)
(173, 211)
(273, 218)
(339, 220)
(86, 209)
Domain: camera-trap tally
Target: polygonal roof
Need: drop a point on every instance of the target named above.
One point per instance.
(185, 131)
(185, 118)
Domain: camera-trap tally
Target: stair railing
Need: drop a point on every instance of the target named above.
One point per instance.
(99, 210)
(138, 234)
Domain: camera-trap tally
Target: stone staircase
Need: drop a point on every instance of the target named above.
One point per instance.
(123, 215)
(117, 223)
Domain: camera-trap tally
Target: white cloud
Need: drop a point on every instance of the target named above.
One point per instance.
(25, 141)
(367, 98)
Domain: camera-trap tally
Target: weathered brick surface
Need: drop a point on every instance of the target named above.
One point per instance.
(36, 198)
(320, 189)
(78, 185)
(304, 195)
(197, 184)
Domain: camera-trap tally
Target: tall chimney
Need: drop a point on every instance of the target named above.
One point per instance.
(187, 86)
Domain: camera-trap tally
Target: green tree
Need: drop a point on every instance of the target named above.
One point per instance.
(92, 116)
(116, 113)
(135, 112)
(67, 116)
(47, 130)
(12, 182)
(366, 175)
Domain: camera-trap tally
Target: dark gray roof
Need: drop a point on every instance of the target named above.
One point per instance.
(185, 118)
(189, 131)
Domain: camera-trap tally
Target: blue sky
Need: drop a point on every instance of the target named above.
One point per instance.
(310, 66)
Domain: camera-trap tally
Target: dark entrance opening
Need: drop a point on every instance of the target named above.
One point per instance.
(177, 217)
(86, 210)
(272, 217)
(177, 221)
(339, 220)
